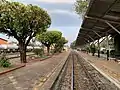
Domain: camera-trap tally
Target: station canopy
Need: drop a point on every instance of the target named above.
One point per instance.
(100, 19)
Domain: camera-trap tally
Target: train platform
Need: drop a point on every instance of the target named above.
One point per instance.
(79, 74)
(33, 75)
(110, 69)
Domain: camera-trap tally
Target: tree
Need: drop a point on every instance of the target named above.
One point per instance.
(72, 45)
(93, 49)
(2, 1)
(60, 44)
(23, 22)
(81, 6)
(49, 38)
(32, 43)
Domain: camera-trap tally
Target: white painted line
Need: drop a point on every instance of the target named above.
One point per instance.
(11, 77)
(14, 82)
(111, 79)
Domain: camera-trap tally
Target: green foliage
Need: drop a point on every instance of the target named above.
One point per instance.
(81, 6)
(4, 62)
(112, 53)
(2, 1)
(93, 48)
(63, 40)
(39, 52)
(23, 22)
(72, 45)
(48, 38)
(88, 49)
(60, 44)
(52, 51)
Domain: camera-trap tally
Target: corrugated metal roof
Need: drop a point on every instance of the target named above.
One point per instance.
(99, 11)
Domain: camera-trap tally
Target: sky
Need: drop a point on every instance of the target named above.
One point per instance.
(62, 15)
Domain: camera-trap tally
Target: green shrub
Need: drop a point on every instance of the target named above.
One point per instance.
(39, 52)
(44, 56)
(4, 62)
(52, 52)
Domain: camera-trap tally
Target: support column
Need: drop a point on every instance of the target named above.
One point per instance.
(98, 48)
(117, 45)
(107, 47)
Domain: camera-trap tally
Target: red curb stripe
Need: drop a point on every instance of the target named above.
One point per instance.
(29, 63)
(45, 58)
(13, 69)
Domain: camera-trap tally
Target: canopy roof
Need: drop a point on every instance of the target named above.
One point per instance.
(100, 13)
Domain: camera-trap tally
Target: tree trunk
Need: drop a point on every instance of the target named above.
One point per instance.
(22, 48)
(48, 50)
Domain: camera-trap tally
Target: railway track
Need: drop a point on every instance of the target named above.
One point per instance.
(77, 74)
(63, 81)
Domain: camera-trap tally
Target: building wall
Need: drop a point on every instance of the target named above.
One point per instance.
(2, 41)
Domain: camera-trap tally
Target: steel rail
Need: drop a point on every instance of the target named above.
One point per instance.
(61, 75)
(65, 69)
(72, 74)
(94, 81)
(87, 73)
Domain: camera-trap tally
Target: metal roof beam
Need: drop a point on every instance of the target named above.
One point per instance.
(91, 38)
(86, 29)
(112, 27)
(87, 35)
(97, 34)
(103, 20)
(92, 31)
(102, 40)
(86, 39)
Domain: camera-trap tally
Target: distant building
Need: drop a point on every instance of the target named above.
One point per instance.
(7, 46)
(3, 41)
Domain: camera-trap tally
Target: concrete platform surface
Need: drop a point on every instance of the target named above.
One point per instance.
(110, 68)
(28, 77)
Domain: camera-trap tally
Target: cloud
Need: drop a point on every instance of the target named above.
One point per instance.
(63, 19)
(48, 5)
(57, 1)
(60, 11)
(70, 32)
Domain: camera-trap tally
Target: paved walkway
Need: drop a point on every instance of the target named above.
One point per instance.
(111, 68)
(26, 78)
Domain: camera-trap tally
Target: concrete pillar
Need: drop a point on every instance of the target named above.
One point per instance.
(107, 41)
(117, 45)
(98, 48)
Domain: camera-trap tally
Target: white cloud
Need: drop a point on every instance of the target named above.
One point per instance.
(57, 1)
(59, 11)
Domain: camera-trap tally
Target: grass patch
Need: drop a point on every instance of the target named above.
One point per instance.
(2, 69)
(44, 56)
(4, 62)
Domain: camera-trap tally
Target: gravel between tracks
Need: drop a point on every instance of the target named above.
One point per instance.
(63, 82)
(85, 77)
